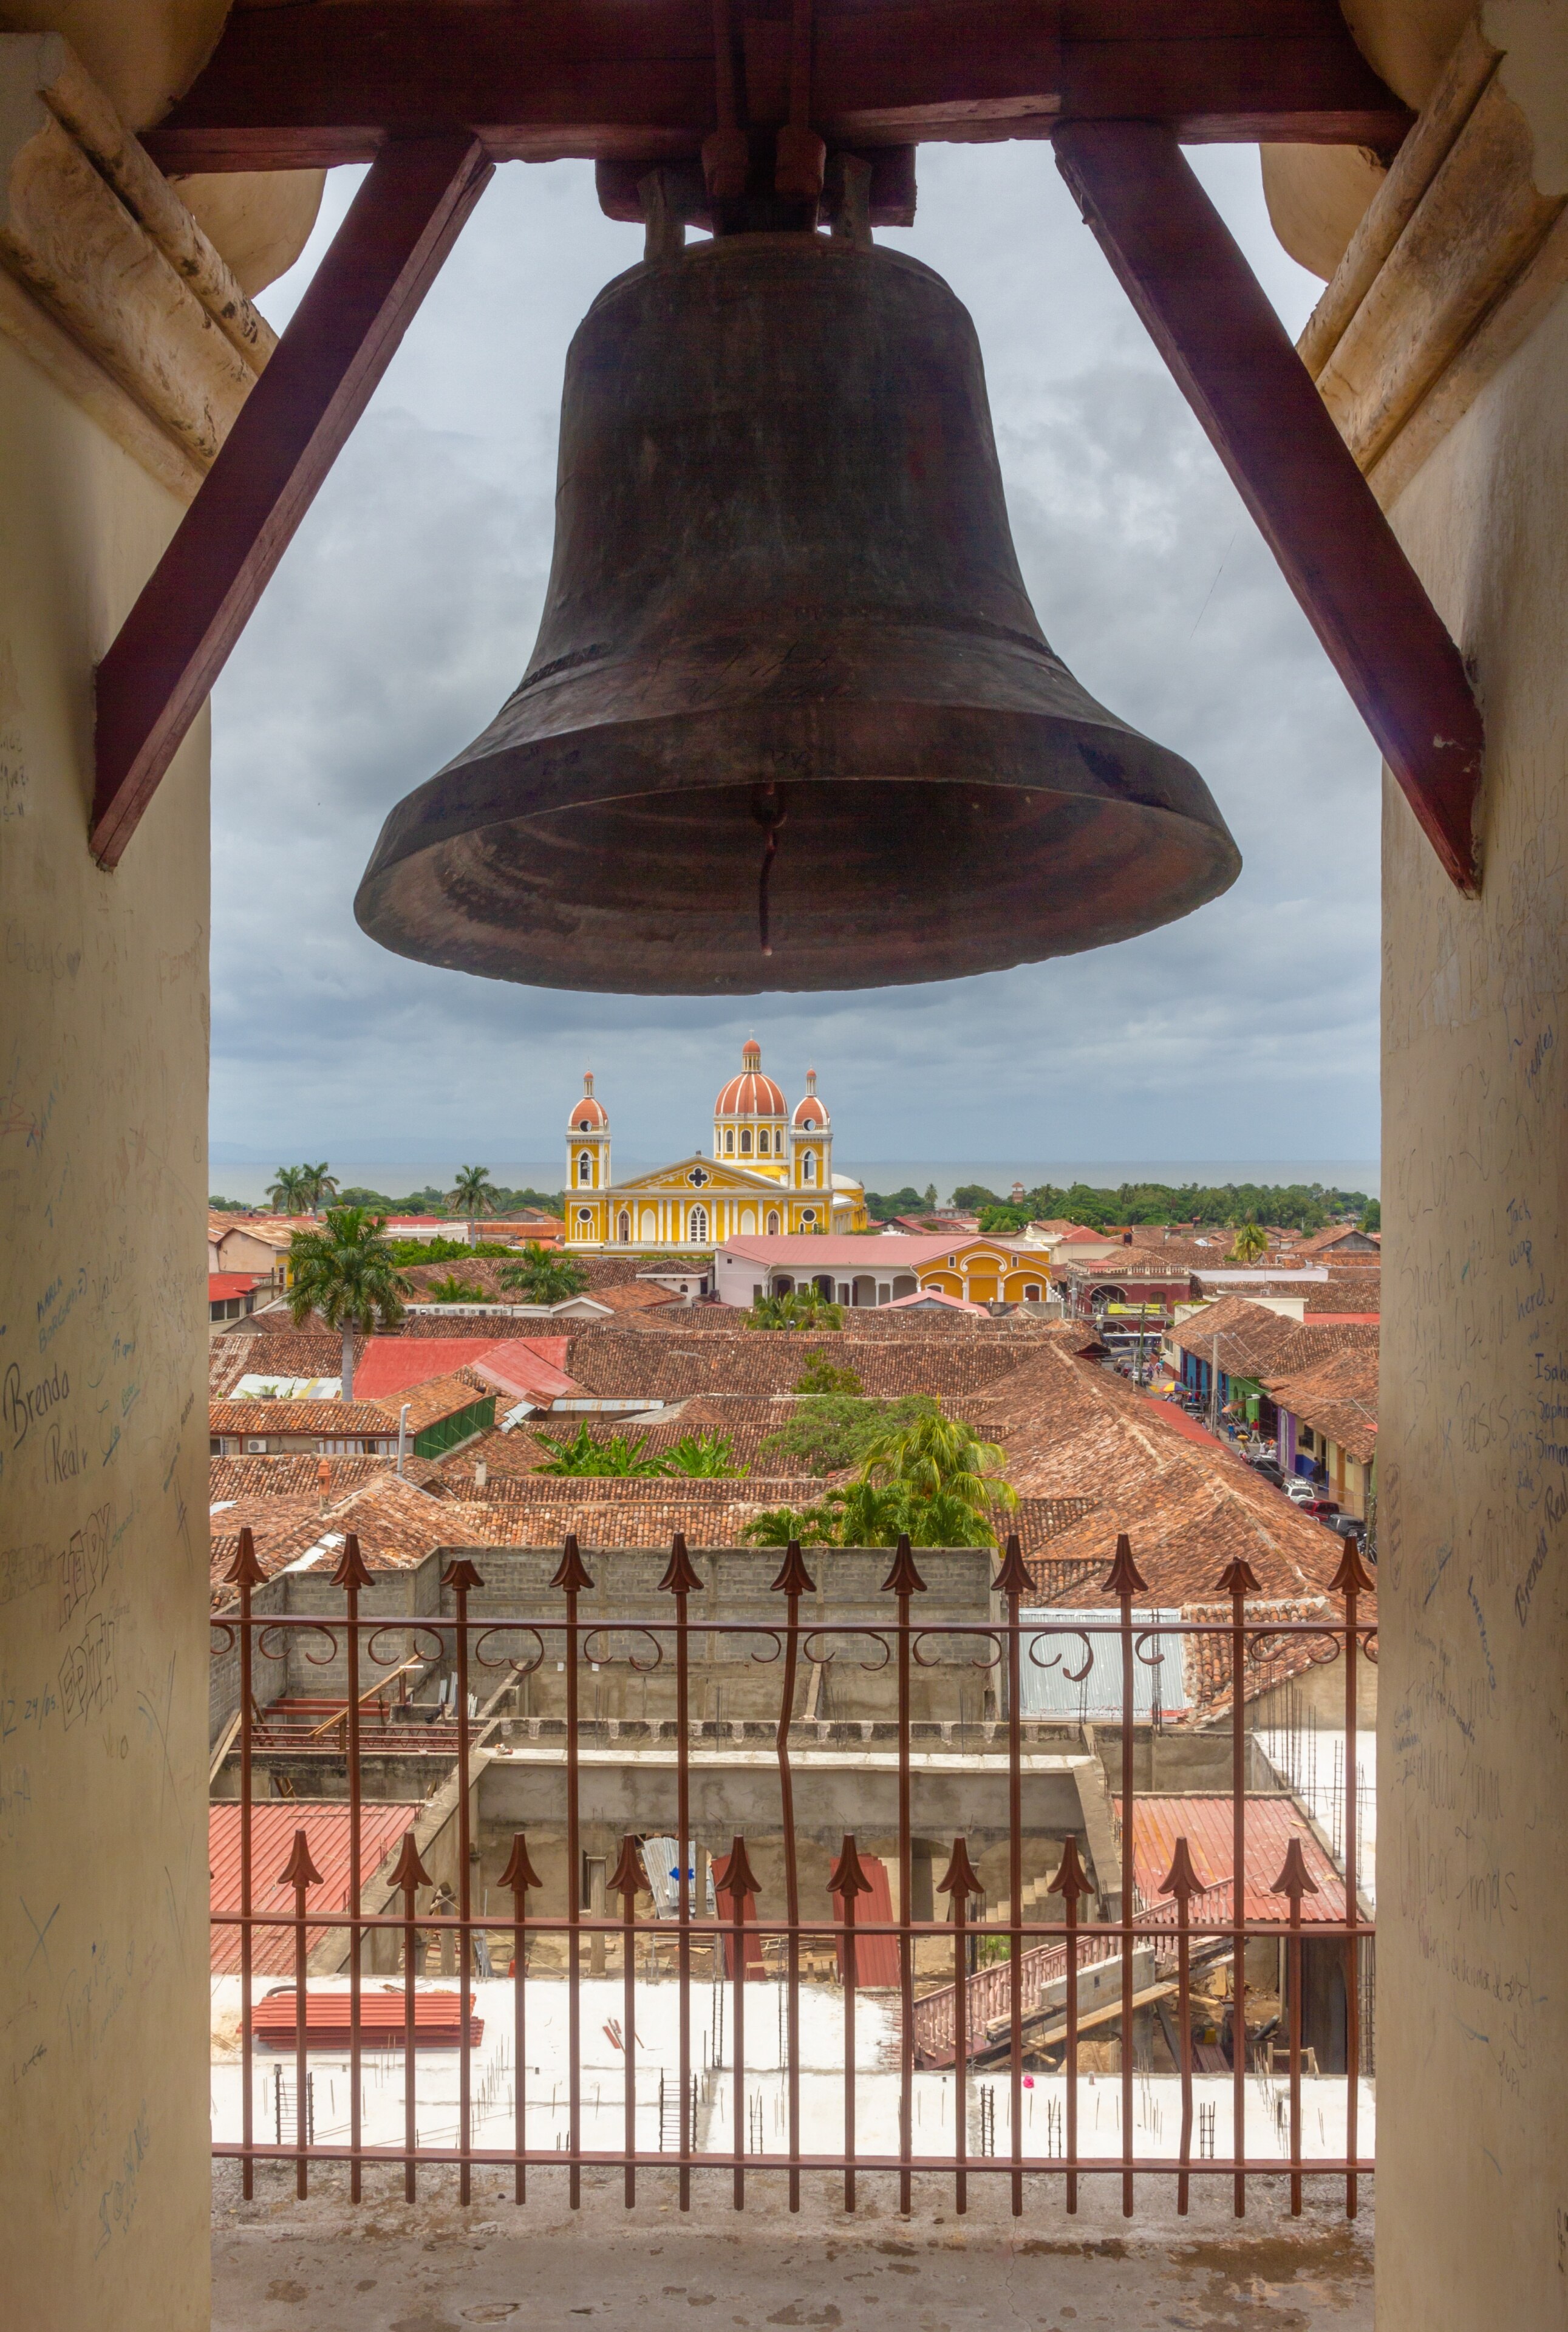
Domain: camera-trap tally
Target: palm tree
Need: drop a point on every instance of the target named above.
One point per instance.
(345, 1271)
(452, 1290)
(289, 1189)
(545, 1277)
(870, 1514)
(470, 1196)
(1250, 1243)
(777, 1526)
(949, 1478)
(803, 1307)
(319, 1184)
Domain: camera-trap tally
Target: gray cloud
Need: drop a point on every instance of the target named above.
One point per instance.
(405, 612)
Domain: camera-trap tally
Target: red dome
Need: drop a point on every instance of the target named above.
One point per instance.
(588, 1116)
(810, 1112)
(751, 1095)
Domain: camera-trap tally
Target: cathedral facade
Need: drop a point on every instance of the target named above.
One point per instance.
(771, 1175)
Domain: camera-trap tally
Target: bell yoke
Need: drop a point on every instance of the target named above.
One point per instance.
(786, 634)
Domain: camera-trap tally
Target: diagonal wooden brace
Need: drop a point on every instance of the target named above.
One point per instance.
(1235, 364)
(192, 609)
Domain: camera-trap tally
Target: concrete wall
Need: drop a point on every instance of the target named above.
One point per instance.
(103, 1536)
(1473, 1577)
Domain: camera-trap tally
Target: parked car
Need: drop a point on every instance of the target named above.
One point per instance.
(1269, 1470)
(1299, 1489)
(1322, 1507)
(1347, 1525)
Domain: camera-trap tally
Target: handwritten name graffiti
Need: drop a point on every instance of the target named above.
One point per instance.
(85, 1561)
(116, 2204)
(87, 1679)
(23, 1404)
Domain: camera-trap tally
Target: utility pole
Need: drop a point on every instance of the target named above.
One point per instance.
(1214, 1386)
(403, 1434)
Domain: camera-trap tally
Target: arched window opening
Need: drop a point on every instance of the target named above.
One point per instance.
(808, 1167)
(745, 1142)
(730, 1144)
(772, 1222)
(697, 1226)
(624, 1227)
(585, 1173)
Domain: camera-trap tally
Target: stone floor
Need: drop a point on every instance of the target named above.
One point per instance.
(323, 2265)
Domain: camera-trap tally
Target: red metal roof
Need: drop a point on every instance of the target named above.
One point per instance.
(272, 1828)
(1205, 1823)
(224, 1283)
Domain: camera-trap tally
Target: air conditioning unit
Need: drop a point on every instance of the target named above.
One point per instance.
(255, 1446)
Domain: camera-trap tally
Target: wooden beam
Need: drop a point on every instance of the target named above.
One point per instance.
(295, 87)
(1234, 365)
(178, 637)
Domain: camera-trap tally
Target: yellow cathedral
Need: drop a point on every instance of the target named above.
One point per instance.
(770, 1174)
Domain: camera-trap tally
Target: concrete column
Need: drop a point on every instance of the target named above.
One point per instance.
(103, 1530)
(1472, 2010)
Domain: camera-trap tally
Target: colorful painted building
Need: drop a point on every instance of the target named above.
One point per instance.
(771, 1175)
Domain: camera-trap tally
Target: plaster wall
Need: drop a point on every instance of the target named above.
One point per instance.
(103, 1536)
(1473, 1572)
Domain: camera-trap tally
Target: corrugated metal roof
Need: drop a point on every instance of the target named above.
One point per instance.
(273, 1827)
(1205, 1823)
(1063, 1673)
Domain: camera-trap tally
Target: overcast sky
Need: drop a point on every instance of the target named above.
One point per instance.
(406, 610)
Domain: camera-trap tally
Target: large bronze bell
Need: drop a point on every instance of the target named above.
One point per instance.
(786, 630)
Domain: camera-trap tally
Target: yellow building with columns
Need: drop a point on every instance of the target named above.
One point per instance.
(770, 1174)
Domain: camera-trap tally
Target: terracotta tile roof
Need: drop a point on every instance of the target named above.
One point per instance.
(1336, 1235)
(1070, 1429)
(639, 1296)
(1339, 1397)
(293, 1352)
(298, 1474)
(397, 1523)
(617, 1363)
(538, 1510)
(338, 1419)
(1256, 1342)
(1354, 1291)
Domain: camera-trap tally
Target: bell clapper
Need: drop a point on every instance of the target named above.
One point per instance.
(768, 811)
(663, 218)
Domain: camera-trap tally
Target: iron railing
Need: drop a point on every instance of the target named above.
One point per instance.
(1018, 2014)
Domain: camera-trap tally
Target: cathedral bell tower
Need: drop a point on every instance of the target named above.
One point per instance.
(587, 1152)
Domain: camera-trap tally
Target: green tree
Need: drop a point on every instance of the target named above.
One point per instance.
(473, 1193)
(544, 1277)
(869, 1514)
(970, 1197)
(832, 1432)
(1250, 1243)
(345, 1271)
(930, 1195)
(1372, 1217)
(821, 1375)
(580, 1454)
(777, 1526)
(289, 1190)
(704, 1457)
(452, 1290)
(949, 1477)
(803, 1307)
